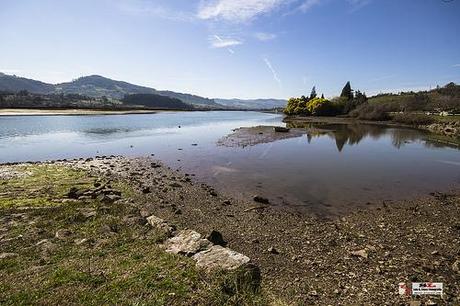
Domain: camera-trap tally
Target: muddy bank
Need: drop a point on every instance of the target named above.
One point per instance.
(450, 129)
(357, 259)
(251, 136)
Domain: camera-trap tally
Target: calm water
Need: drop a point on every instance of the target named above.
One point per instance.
(329, 170)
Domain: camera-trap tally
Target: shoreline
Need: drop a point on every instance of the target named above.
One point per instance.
(302, 258)
(71, 112)
(436, 129)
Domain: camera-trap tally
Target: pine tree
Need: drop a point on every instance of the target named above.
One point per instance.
(322, 96)
(313, 93)
(347, 92)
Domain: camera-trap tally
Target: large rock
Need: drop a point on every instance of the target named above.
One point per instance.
(218, 257)
(187, 242)
(161, 225)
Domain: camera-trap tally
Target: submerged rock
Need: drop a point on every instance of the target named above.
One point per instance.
(280, 129)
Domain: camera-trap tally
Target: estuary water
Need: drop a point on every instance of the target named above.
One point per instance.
(328, 170)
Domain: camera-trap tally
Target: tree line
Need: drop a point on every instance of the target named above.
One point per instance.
(313, 105)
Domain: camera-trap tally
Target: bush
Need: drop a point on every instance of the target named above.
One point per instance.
(371, 112)
(414, 119)
(321, 107)
(315, 107)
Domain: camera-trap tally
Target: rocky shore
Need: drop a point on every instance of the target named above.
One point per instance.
(448, 128)
(359, 258)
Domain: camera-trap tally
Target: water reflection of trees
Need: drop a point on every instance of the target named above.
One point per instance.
(353, 134)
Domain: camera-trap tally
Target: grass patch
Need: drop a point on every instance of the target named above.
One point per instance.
(454, 118)
(102, 258)
(41, 185)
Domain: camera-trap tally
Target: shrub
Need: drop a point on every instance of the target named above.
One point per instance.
(321, 107)
(413, 119)
(371, 112)
(315, 106)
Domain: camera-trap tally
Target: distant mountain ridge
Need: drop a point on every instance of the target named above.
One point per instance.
(15, 84)
(98, 86)
(252, 103)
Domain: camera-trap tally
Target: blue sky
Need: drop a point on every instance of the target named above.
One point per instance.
(236, 48)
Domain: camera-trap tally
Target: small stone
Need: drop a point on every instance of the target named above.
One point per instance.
(160, 224)
(63, 234)
(81, 241)
(43, 241)
(216, 238)
(178, 212)
(73, 193)
(146, 190)
(360, 253)
(456, 266)
(273, 250)
(260, 199)
(313, 293)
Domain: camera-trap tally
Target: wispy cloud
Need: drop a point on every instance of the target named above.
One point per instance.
(358, 4)
(147, 8)
(308, 4)
(456, 65)
(219, 42)
(265, 36)
(273, 71)
(237, 10)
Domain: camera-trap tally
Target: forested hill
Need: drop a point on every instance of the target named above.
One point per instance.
(10, 83)
(95, 86)
(153, 101)
(98, 87)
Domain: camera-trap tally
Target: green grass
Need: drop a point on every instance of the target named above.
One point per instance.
(44, 184)
(121, 263)
(447, 118)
